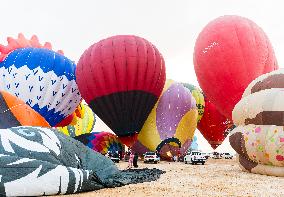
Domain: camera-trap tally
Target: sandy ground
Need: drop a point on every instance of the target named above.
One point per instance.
(215, 178)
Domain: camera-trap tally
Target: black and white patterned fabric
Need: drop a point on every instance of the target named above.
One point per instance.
(40, 161)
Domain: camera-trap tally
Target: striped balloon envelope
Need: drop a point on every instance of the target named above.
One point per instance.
(258, 138)
(121, 78)
(101, 142)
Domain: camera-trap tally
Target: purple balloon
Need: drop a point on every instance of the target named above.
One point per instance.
(172, 106)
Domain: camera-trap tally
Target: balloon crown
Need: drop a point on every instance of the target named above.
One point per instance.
(22, 42)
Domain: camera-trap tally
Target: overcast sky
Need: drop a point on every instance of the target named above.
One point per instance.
(172, 26)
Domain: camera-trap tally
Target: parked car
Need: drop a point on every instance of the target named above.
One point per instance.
(115, 157)
(151, 157)
(206, 155)
(195, 157)
(216, 155)
(227, 156)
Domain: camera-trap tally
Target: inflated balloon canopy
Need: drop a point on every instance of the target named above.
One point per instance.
(194, 144)
(83, 125)
(259, 137)
(170, 126)
(121, 78)
(42, 78)
(40, 161)
(15, 112)
(229, 53)
(199, 98)
(213, 125)
(101, 142)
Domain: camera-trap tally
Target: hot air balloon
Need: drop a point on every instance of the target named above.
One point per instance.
(72, 118)
(42, 78)
(170, 126)
(213, 125)
(15, 112)
(259, 136)
(39, 161)
(83, 125)
(102, 142)
(229, 53)
(199, 98)
(194, 144)
(121, 78)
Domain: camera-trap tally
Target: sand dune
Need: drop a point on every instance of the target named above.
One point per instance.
(215, 178)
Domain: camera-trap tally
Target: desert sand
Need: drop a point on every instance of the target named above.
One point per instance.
(215, 178)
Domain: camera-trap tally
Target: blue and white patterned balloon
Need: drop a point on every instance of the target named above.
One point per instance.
(44, 79)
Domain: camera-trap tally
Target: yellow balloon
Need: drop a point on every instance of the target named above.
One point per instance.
(83, 125)
(169, 128)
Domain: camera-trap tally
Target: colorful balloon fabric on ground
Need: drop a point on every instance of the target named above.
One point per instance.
(121, 78)
(42, 78)
(170, 126)
(213, 125)
(83, 125)
(40, 161)
(101, 142)
(259, 136)
(15, 112)
(229, 53)
(199, 98)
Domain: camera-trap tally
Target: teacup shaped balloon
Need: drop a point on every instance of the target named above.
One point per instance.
(259, 137)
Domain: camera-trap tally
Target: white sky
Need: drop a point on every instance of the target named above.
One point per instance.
(172, 25)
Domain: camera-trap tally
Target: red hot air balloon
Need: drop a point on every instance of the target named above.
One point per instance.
(121, 78)
(229, 53)
(213, 125)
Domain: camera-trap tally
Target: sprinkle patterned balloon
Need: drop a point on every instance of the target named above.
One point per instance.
(170, 126)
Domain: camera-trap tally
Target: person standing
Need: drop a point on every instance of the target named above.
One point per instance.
(135, 160)
(130, 161)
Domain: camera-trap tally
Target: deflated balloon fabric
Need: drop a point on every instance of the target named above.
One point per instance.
(40, 161)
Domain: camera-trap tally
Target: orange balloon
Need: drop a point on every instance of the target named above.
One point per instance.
(15, 112)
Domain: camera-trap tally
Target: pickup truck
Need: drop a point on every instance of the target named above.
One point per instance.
(195, 157)
(151, 157)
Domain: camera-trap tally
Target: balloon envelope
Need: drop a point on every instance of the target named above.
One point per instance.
(229, 53)
(101, 142)
(194, 144)
(199, 98)
(170, 126)
(121, 78)
(83, 125)
(213, 125)
(40, 161)
(15, 112)
(259, 136)
(42, 78)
